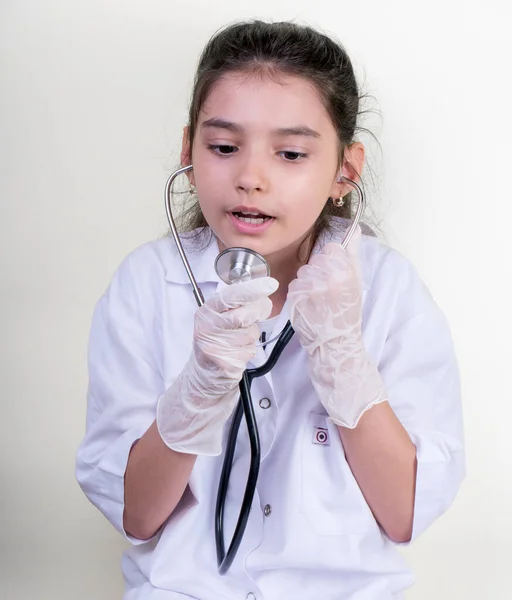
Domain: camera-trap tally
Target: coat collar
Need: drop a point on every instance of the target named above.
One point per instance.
(201, 250)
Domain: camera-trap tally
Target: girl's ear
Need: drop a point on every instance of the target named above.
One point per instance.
(353, 163)
(186, 158)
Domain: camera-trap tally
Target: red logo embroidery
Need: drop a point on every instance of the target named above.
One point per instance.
(321, 436)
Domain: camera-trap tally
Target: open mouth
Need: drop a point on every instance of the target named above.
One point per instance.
(250, 217)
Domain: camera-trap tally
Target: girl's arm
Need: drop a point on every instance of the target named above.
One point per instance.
(134, 472)
(125, 382)
(382, 458)
(394, 396)
(155, 480)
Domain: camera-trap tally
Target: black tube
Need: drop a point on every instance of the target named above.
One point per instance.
(224, 560)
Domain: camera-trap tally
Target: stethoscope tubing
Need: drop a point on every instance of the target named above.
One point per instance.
(245, 406)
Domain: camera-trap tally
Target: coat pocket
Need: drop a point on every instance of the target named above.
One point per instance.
(332, 502)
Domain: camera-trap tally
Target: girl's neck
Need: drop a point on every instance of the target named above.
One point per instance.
(284, 267)
(279, 296)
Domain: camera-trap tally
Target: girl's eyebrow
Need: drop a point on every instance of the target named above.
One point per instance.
(302, 130)
(299, 130)
(216, 123)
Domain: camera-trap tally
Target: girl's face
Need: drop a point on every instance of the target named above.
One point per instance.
(265, 158)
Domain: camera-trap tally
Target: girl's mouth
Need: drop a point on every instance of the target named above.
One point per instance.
(250, 221)
(251, 217)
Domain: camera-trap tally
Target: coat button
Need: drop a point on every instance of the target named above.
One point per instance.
(267, 510)
(265, 403)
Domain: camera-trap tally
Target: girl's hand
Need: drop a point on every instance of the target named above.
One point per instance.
(192, 412)
(326, 313)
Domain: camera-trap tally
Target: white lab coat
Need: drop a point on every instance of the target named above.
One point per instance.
(310, 533)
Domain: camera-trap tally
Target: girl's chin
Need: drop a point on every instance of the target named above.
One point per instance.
(271, 244)
(228, 238)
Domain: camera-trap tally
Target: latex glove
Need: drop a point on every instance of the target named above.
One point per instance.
(192, 412)
(326, 313)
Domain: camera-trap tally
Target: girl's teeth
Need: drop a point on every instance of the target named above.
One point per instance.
(254, 220)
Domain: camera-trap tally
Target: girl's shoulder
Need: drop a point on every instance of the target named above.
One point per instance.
(388, 277)
(149, 262)
(394, 284)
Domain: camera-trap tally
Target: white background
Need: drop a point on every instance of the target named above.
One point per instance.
(92, 102)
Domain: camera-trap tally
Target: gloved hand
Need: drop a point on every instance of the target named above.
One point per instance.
(192, 412)
(326, 313)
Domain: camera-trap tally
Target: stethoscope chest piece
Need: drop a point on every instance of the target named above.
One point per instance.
(234, 265)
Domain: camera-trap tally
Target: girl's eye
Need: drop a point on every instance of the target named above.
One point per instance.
(291, 156)
(222, 149)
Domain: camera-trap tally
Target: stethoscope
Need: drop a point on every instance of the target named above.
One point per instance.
(234, 265)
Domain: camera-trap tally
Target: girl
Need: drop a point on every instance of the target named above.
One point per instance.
(359, 421)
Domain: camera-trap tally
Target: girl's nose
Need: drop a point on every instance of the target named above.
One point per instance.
(252, 176)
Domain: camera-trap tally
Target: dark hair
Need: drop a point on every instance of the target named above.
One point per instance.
(273, 49)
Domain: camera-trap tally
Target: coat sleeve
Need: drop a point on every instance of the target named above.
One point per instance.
(124, 385)
(420, 370)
